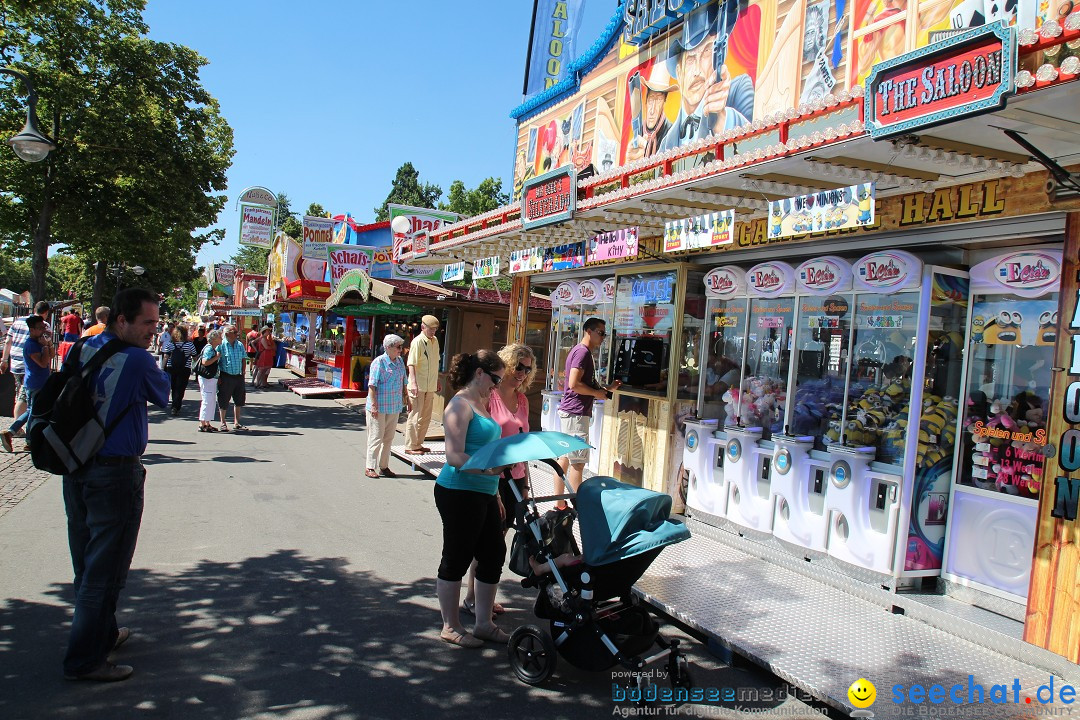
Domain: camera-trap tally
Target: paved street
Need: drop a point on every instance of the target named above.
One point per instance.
(272, 581)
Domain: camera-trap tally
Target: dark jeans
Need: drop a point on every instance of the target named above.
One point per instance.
(471, 529)
(104, 509)
(180, 378)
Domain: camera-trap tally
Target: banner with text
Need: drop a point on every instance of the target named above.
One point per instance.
(344, 258)
(453, 272)
(709, 230)
(615, 245)
(488, 267)
(420, 219)
(527, 260)
(318, 234)
(224, 274)
(555, 27)
(839, 209)
(256, 226)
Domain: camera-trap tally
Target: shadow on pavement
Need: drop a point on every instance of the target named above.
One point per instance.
(276, 636)
(159, 459)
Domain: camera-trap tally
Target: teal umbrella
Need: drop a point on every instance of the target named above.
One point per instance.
(524, 447)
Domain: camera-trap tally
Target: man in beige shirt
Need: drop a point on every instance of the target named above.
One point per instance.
(423, 384)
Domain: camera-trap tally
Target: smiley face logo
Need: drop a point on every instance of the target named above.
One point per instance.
(862, 693)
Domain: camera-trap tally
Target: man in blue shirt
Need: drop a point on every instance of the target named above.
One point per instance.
(104, 499)
(231, 377)
(37, 355)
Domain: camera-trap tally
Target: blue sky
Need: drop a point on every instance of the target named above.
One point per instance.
(327, 98)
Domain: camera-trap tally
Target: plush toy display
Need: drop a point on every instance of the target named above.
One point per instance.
(1007, 453)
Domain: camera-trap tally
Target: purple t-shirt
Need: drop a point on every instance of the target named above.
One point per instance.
(572, 403)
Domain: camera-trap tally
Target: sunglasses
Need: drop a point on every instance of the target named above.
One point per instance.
(521, 368)
(495, 379)
(601, 333)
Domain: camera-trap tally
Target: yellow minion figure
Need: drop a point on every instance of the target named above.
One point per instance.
(866, 203)
(1003, 329)
(1047, 334)
(776, 219)
(978, 326)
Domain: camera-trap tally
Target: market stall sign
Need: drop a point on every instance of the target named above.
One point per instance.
(245, 312)
(609, 291)
(704, 231)
(453, 272)
(590, 292)
(488, 267)
(317, 234)
(224, 274)
(256, 226)
(549, 198)
(770, 279)
(345, 259)
(526, 260)
(615, 245)
(256, 195)
(969, 73)
(565, 294)
(724, 283)
(644, 18)
(824, 276)
(1028, 273)
(355, 280)
(846, 207)
(377, 309)
(887, 271)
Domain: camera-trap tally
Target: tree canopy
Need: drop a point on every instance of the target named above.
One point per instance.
(487, 196)
(142, 147)
(408, 190)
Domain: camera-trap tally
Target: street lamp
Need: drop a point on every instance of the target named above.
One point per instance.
(118, 272)
(30, 145)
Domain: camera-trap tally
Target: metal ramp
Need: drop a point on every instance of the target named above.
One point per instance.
(821, 634)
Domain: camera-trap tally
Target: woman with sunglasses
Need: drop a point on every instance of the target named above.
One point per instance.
(510, 408)
(468, 501)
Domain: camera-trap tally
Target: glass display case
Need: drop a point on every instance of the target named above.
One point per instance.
(693, 331)
(823, 338)
(763, 395)
(643, 328)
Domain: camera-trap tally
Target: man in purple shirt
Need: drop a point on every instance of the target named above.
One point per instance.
(104, 498)
(575, 409)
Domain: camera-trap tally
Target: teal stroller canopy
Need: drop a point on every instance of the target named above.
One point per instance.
(619, 521)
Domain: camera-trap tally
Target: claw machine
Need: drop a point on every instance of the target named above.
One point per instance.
(822, 348)
(755, 410)
(891, 469)
(566, 332)
(723, 336)
(993, 507)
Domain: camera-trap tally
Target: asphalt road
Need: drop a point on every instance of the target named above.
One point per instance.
(272, 580)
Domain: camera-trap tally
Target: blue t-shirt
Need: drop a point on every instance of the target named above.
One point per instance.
(481, 431)
(35, 374)
(130, 377)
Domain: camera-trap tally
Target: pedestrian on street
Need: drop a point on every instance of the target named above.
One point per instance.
(575, 408)
(385, 399)
(468, 502)
(251, 342)
(231, 384)
(162, 338)
(104, 498)
(264, 356)
(72, 326)
(37, 360)
(510, 408)
(178, 354)
(13, 352)
(102, 317)
(423, 366)
(199, 341)
(208, 386)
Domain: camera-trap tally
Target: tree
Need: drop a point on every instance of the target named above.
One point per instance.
(142, 147)
(286, 218)
(316, 210)
(184, 296)
(488, 195)
(252, 259)
(408, 190)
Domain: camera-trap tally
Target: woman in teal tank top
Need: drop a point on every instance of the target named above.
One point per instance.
(468, 501)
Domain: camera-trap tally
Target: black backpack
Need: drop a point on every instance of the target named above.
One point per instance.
(64, 431)
(178, 358)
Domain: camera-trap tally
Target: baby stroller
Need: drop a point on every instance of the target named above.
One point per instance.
(595, 621)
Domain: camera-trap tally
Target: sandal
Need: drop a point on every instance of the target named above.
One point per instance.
(387, 472)
(371, 474)
(465, 640)
(224, 427)
(240, 428)
(202, 428)
(469, 608)
(498, 635)
(211, 428)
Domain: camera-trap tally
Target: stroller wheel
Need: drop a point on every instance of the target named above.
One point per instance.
(532, 654)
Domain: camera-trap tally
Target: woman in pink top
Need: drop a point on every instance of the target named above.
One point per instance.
(510, 408)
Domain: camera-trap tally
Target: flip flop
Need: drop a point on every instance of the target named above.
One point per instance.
(465, 640)
(240, 428)
(224, 427)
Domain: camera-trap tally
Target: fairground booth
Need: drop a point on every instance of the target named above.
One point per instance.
(836, 248)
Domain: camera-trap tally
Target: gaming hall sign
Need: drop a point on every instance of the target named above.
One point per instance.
(968, 73)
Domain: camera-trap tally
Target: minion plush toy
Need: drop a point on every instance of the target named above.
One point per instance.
(978, 324)
(866, 203)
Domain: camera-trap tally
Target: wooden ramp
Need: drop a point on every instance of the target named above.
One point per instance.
(312, 388)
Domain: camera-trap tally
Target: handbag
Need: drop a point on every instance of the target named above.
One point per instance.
(206, 371)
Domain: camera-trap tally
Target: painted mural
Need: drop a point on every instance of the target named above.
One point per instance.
(725, 63)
